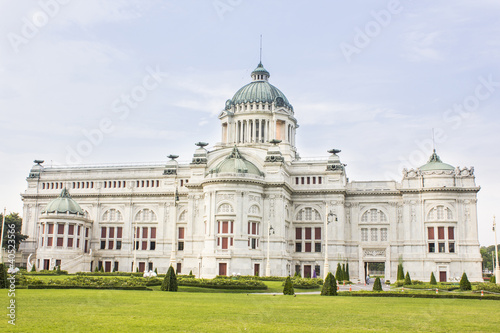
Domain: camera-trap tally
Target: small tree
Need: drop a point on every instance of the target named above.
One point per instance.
(348, 278)
(330, 286)
(288, 288)
(96, 269)
(170, 281)
(4, 283)
(464, 283)
(407, 279)
(433, 279)
(344, 274)
(58, 270)
(102, 269)
(493, 279)
(338, 273)
(156, 270)
(401, 272)
(33, 268)
(377, 285)
(296, 274)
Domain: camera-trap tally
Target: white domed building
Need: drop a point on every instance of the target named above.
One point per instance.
(251, 206)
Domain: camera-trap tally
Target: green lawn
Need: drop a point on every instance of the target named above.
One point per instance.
(77, 310)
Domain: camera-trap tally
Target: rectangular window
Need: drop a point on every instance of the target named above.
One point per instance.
(60, 229)
(60, 241)
(49, 241)
(179, 268)
(180, 246)
(119, 232)
(308, 233)
(51, 228)
(153, 233)
(317, 233)
(225, 227)
(103, 232)
(224, 243)
(364, 234)
(440, 232)
(118, 245)
(451, 233)
(308, 247)
(145, 232)
(373, 233)
(317, 247)
(111, 232)
(110, 245)
(298, 247)
(254, 228)
(77, 243)
(115, 269)
(79, 227)
(71, 229)
(432, 247)
(253, 243)
(70, 242)
(298, 233)
(181, 233)
(319, 180)
(430, 233)
(144, 245)
(441, 248)
(103, 245)
(383, 234)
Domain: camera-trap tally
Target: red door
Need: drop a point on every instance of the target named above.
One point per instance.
(107, 266)
(222, 268)
(307, 271)
(256, 269)
(142, 266)
(442, 276)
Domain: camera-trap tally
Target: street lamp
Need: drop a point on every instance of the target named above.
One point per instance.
(270, 230)
(330, 217)
(497, 268)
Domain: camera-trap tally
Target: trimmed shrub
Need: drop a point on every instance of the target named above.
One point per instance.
(407, 279)
(377, 286)
(330, 286)
(288, 289)
(4, 284)
(306, 283)
(347, 276)
(433, 279)
(488, 287)
(344, 275)
(170, 280)
(493, 279)
(464, 283)
(33, 268)
(401, 272)
(156, 271)
(338, 273)
(222, 283)
(296, 274)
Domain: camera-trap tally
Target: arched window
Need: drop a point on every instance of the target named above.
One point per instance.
(112, 215)
(308, 214)
(145, 215)
(225, 208)
(374, 215)
(254, 210)
(440, 213)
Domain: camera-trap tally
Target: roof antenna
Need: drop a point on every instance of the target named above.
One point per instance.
(260, 61)
(433, 141)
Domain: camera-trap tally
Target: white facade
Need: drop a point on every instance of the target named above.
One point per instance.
(220, 213)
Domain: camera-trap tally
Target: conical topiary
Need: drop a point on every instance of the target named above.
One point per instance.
(33, 268)
(433, 279)
(464, 283)
(401, 272)
(4, 284)
(338, 273)
(377, 285)
(288, 288)
(170, 281)
(330, 286)
(407, 279)
(344, 275)
(347, 277)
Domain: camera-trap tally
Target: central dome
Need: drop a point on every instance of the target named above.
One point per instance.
(235, 163)
(260, 91)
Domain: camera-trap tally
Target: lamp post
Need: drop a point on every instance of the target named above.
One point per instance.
(1, 239)
(270, 230)
(497, 268)
(328, 219)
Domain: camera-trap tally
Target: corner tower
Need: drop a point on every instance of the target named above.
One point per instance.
(258, 113)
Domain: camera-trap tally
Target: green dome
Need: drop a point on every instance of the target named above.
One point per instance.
(63, 204)
(435, 163)
(260, 91)
(235, 163)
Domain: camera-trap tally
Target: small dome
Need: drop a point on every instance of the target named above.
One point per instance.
(63, 204)
(235, 163)
(260, 91)
(435, 163)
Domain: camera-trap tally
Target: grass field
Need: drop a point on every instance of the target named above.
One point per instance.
(77, 310)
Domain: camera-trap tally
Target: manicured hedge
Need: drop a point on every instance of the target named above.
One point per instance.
(87, 287)
(109, 274)
(399, 294)
(223, 283)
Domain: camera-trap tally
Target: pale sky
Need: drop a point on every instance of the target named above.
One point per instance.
(372, 78)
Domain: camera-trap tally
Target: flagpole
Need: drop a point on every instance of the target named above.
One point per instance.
(497, 268)
(1, 239)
